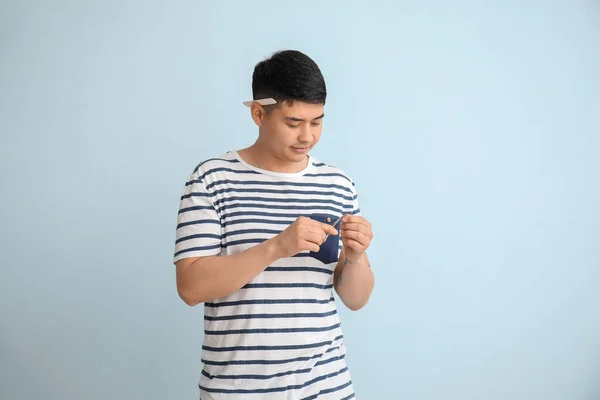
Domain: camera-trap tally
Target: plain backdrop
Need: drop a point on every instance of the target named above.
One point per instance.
(471, 129)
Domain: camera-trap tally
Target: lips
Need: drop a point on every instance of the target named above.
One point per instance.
(300, 149)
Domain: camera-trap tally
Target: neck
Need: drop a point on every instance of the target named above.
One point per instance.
(260, 157)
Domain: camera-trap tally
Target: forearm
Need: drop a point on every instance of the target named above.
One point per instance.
(354, 283)
(210, 278)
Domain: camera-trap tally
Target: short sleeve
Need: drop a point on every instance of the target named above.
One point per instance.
(198, 231)
(355, 205)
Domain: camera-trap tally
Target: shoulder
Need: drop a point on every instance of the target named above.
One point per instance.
(224, 160)
(207, 168)
(334, 173)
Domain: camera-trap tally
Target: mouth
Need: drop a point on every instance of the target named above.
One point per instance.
(300, 149)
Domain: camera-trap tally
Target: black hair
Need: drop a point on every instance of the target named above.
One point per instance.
(289, 76)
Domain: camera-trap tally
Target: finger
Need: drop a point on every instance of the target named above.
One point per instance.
(328, 229)
(351, 218)
(357, 227)
(317, 232)
(354, 245)
(357, 245)
(312, 246)
(358, 219)
(317, 237)
(357, 236)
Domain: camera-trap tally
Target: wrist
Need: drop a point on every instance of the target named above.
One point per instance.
(360, 259)
(273, 249)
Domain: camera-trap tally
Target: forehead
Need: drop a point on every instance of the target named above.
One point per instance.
(298, 109)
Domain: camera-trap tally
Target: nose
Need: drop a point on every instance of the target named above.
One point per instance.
(305, 134)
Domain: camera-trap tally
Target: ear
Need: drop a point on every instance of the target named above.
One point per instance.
(258, 114)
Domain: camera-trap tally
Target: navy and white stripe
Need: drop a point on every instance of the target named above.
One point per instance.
(279, 337)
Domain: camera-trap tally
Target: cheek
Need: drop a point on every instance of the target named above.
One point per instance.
(317, 133)
(282, 136)
(278, 135)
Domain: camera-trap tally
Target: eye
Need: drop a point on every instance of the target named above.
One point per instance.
(315, 123)
(293, 126)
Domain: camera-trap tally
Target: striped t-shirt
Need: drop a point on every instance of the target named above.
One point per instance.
(279, 337)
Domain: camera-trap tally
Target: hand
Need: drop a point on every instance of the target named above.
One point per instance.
(304, 234)
(356, 236)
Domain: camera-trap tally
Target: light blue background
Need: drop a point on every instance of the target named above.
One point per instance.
(471, 129)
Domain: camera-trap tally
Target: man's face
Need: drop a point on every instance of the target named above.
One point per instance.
(289, 132)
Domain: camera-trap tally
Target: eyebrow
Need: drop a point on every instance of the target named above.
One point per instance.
(296, 119)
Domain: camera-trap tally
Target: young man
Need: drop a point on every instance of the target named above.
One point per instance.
(259, 243)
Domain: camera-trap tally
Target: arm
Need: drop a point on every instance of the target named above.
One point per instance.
(204, 279)
(353, 281)
(202, 273)
(353, 276)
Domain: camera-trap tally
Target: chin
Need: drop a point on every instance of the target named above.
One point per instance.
(293, 156)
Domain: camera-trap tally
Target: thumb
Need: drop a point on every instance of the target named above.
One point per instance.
(329, 229)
